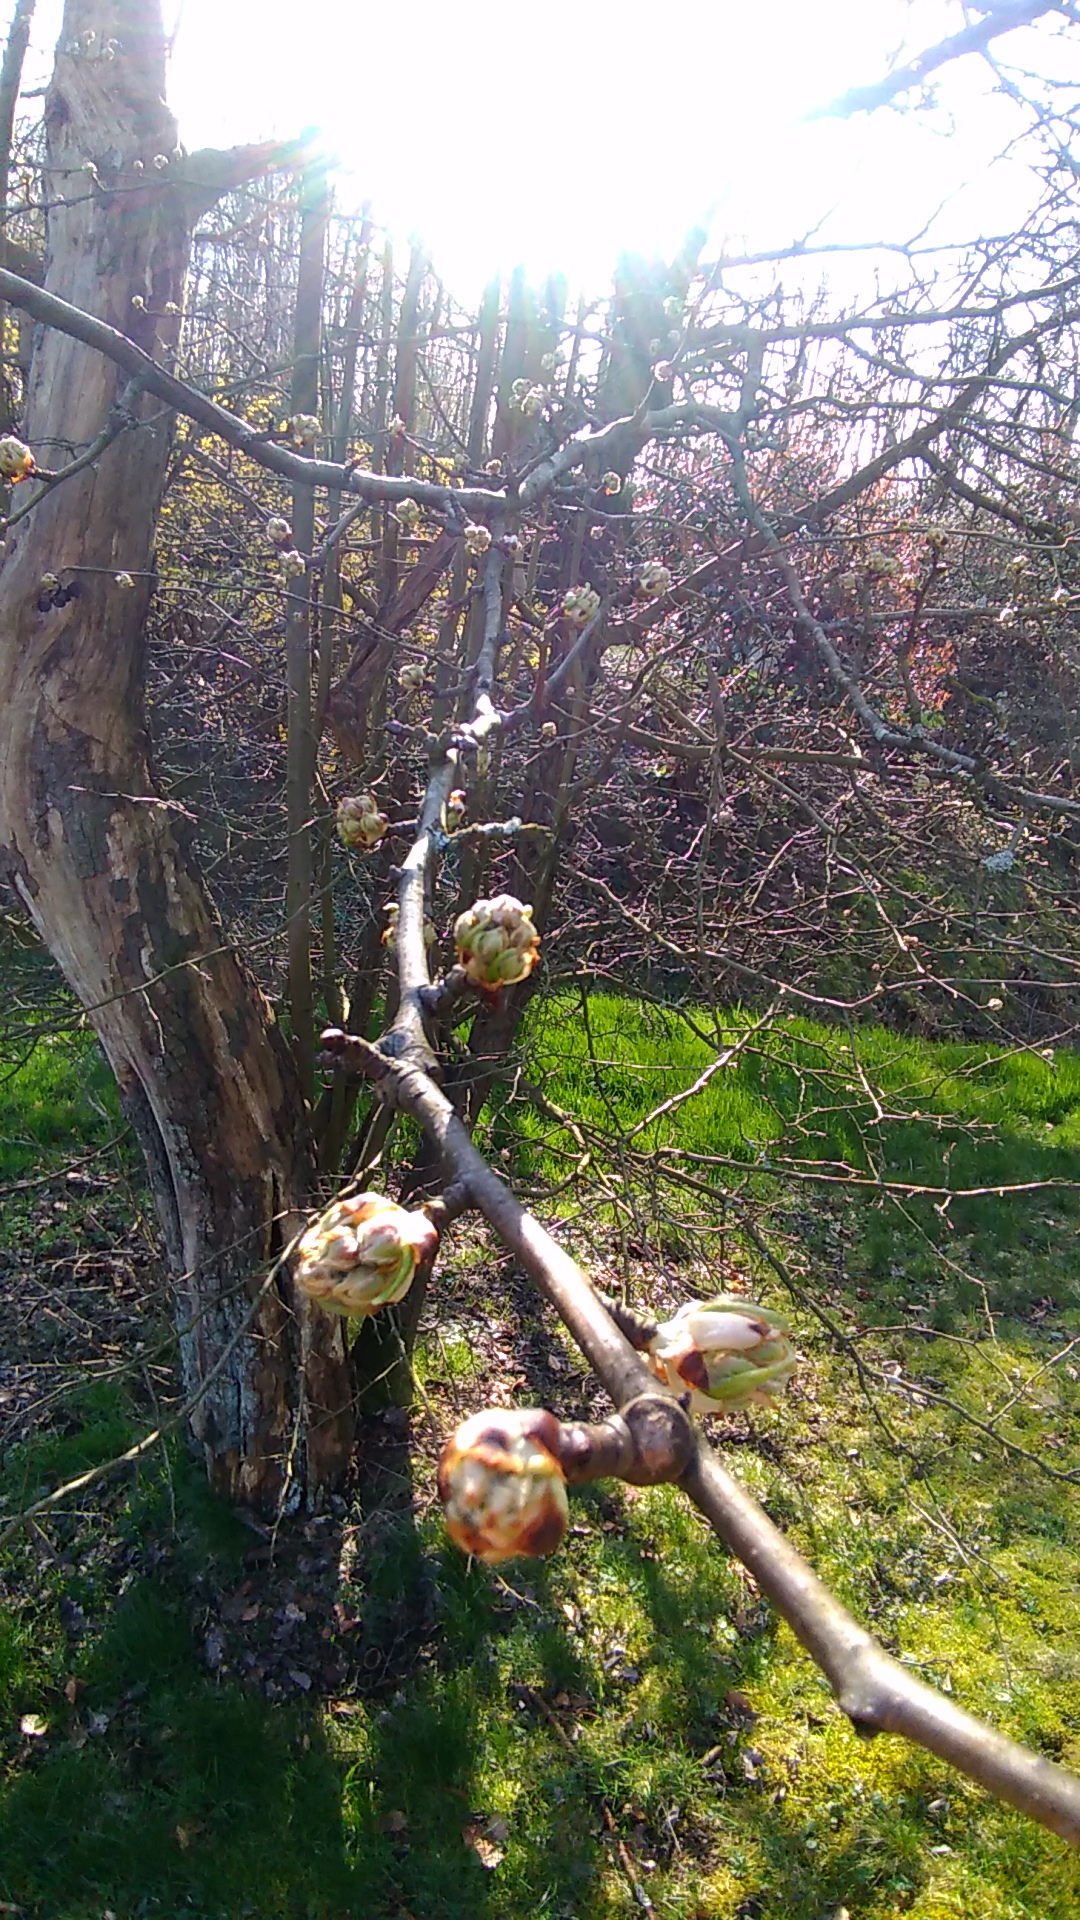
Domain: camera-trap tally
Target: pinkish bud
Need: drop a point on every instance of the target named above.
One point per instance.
(501, 1484)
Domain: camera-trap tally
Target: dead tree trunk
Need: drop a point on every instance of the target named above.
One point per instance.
(204, 1075)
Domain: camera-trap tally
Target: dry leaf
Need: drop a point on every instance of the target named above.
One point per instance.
(481, 1844)
(71, 1690)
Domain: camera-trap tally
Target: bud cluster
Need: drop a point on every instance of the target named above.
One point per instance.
(359, 822)
(363, 1253)
(726, 1352)
(477, 538)
(580, 605)
(16, 460)
(305, 429)
(527, 398)
(497, 942)
(502, 1486)
(654, 578)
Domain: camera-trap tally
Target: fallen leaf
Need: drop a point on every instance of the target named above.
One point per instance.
(71, 1690)
(485, 1848)
(33, 1726)
(738, 1702)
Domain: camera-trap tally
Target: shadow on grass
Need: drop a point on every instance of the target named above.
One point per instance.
(542, 1741)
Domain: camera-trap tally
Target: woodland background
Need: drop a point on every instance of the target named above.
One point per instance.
(799, 814)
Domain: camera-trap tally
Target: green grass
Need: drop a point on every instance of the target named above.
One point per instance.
(630, 1710)
(796, 1100)
(57, 1098)
(674, 1709)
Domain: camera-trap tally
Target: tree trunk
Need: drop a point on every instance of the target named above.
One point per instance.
(203, 1073)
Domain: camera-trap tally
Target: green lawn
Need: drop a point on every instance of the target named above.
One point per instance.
(627, 1723)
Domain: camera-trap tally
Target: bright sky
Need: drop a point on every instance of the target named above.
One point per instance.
(559, 135)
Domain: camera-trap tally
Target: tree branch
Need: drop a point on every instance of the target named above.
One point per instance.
(1000, 19)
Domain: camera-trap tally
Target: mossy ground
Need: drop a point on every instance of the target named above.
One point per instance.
(354, 1721)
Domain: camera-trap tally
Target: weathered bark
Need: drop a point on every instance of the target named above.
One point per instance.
(203, 1072)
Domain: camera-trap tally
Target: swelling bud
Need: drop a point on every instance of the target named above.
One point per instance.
(725, 1352)
(497, 943)
(502, 1487)
(363, 1253)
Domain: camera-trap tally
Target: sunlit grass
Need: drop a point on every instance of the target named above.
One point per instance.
(628, 1720)
(803, 1097)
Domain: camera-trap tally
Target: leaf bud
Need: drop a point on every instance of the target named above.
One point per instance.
(726, 1352)
(363, 1253)
(580, 605)
(278, 531)
(502, 1486)
(407, 514)
(497, 942)
(16, 459)
(477, 538)
(654, 578)
(359, 821)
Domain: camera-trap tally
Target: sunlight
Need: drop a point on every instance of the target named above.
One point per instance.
(499, 135)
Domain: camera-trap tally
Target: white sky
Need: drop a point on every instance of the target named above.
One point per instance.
(560, 134)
